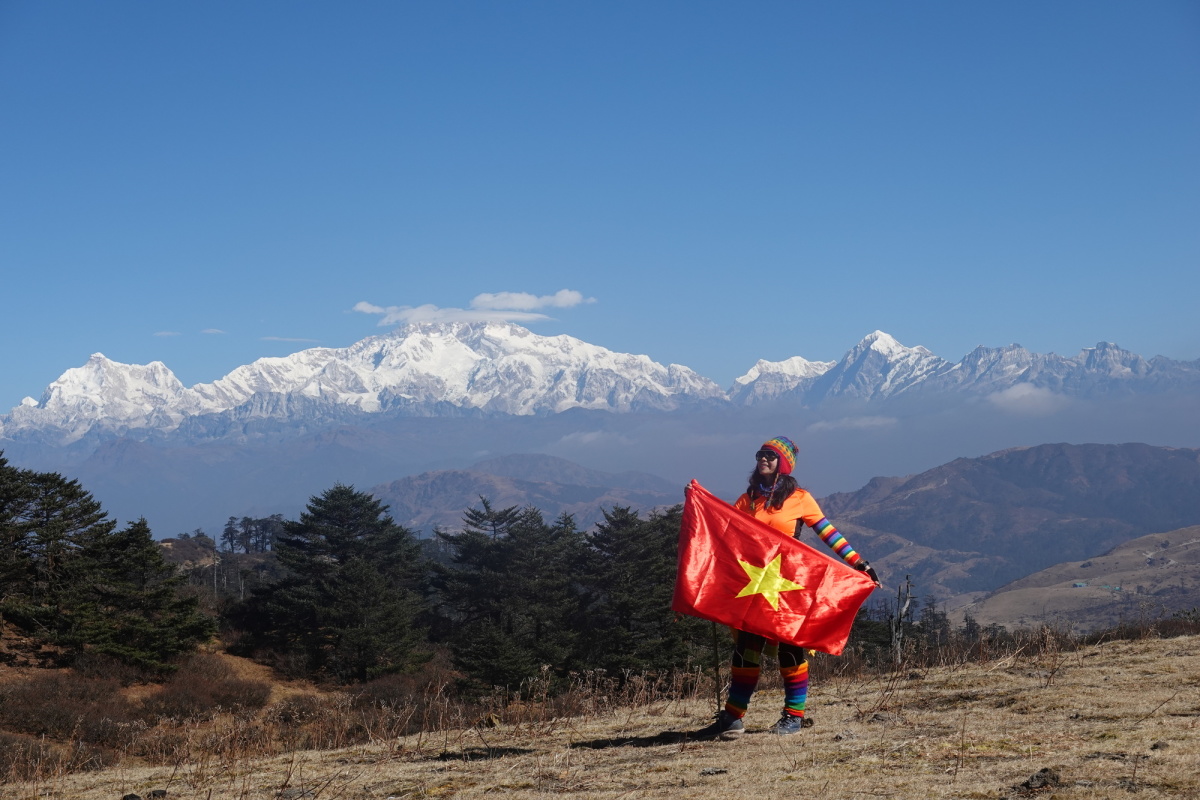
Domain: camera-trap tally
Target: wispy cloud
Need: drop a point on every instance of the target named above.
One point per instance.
(853, 423)
(288, 339)
(1025, 398)
(212, 330)
(586, 438)
(167, 333)
(523, 301)
(486, 307)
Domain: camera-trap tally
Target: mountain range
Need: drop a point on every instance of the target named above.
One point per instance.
(496, 369)
(443, 397)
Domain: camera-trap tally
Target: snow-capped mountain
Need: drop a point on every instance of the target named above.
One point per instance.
(876, 368)
(455, 369)
(1103, 369)
(770, 380)
(879, 368)
(496, 368)
(118, 396)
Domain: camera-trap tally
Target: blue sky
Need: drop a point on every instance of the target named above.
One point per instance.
(209, 183)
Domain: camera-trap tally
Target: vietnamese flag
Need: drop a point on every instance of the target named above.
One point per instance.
(743, 573)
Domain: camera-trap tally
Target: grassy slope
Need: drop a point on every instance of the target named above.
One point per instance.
(1121, 719)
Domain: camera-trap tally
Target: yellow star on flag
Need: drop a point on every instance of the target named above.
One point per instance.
(767, 581)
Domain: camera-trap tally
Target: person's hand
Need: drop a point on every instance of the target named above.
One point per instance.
(865, 566)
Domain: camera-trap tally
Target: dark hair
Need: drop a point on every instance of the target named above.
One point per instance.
(785, 485)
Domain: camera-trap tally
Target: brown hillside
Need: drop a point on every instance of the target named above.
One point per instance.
(1145, 578)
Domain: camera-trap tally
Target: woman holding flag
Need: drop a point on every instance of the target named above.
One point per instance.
(774, 498)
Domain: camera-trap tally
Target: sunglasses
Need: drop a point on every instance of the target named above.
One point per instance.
(769, 455)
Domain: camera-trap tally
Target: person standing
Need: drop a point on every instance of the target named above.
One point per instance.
(774, 497)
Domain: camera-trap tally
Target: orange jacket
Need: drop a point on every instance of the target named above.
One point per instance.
(799, 509)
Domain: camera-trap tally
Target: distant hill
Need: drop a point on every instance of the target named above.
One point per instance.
(553, 485)
(973, 525)
(1145, 578)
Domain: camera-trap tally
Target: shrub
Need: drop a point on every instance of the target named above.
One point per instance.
(68, 707)
(97, 666)
(202, 687)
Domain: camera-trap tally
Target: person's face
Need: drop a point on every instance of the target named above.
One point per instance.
(768, 462)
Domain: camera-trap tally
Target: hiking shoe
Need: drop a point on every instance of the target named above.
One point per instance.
(787, 725)
(725, 726)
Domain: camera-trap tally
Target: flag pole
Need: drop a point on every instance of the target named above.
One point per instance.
(716, 667)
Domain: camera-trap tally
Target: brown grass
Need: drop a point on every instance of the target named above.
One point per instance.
(1115, 719)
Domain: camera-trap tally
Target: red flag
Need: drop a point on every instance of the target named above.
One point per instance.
(743, 573)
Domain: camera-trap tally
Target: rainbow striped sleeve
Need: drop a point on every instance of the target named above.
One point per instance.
(836, 542)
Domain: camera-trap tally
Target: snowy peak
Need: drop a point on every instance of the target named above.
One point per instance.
(794, 367)
(437, 369)
(997, 368)
(768, 380)
(488, 367)
(152, 381)
(1110, 359)
(124, 395)
(881, 343)
(878, 367)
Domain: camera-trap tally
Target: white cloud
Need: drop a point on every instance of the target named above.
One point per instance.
(853, 423)
(403, 315)
(487, 307)
(212, 330)
(523, 301)
(1025, 398)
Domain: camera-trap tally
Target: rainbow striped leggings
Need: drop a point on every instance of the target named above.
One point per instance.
(747, 665)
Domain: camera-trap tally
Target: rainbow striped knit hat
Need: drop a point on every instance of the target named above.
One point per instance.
(786, 450)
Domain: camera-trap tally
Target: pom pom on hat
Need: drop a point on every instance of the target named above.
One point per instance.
(786, 449)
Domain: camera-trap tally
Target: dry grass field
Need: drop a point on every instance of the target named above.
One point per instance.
(1114, 720)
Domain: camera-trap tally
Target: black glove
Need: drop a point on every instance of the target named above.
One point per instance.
(864, 566)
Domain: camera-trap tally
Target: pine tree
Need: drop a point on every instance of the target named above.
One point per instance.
(871, 634)
(543, 570)
(511, 594)
(15, 555)
(44, 518)
(630, 580)
(124, 600)
(229, 535)
(934, 627)
(71, 579)
(264, 532)
(348, 605)
(492, 521)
